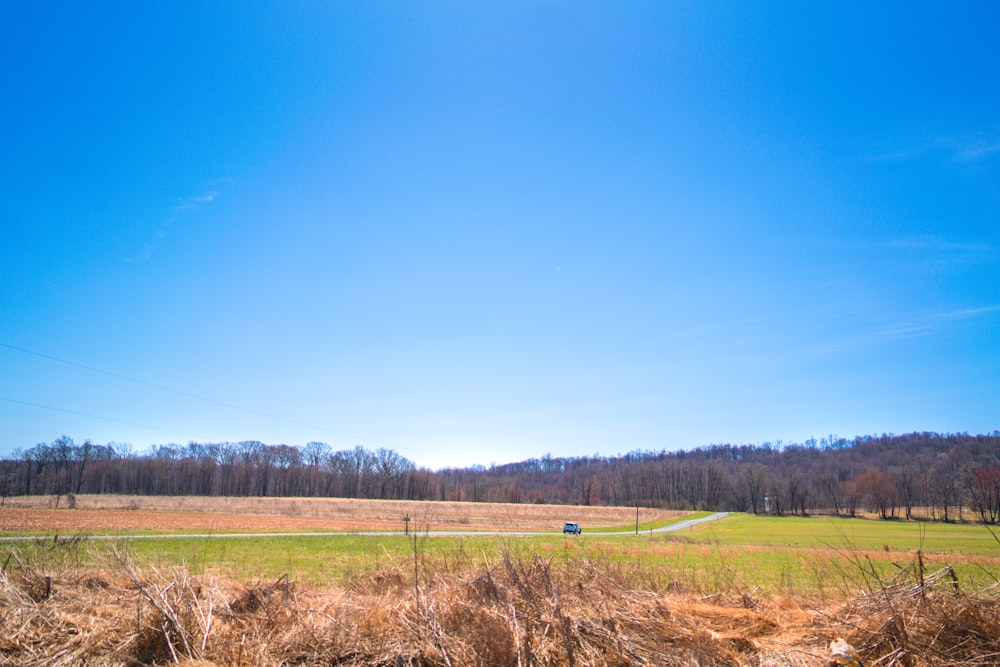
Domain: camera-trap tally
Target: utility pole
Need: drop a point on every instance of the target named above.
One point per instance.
(637, 518)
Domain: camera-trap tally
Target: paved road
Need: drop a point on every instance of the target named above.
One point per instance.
(680, 525)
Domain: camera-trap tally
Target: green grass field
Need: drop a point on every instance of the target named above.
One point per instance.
(819, 555)
(852, 534)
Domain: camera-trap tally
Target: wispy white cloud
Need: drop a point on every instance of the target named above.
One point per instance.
(869, 337)
(925, 254)
(937, 255)
(965, 313)
(916, 325)
(938, 244)
(959, 149)
(977, 151)
(903, 154)
(191, 203)
(183, 206)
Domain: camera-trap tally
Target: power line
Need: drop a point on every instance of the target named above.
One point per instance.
(86, 414)
(179, 392)
(157, 386)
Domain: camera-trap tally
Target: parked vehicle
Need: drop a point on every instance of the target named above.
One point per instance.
(572, 527)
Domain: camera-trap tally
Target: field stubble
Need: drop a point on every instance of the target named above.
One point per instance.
(96, 513)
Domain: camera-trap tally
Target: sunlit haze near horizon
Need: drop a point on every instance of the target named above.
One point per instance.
(485, 232)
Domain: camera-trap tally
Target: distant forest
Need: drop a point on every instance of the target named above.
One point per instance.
(949, 477)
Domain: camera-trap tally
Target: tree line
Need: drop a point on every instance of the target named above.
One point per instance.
(938, 476)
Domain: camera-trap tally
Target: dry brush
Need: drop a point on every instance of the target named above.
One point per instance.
(518, 609)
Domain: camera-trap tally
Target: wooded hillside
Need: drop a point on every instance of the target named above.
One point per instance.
(944, 477)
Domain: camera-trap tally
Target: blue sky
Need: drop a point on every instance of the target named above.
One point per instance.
(480, 233)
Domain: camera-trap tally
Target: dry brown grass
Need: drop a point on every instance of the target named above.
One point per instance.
(518, 609)
(114, 512)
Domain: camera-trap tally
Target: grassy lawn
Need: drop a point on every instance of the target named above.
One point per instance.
(848, 534)
(742, 553)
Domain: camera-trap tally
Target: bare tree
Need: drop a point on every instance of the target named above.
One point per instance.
(754, 478)
(316, 453)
